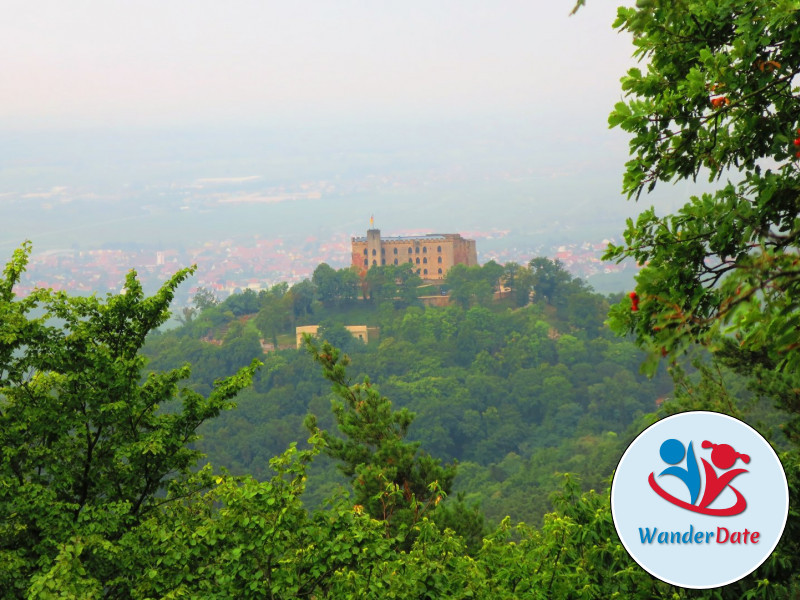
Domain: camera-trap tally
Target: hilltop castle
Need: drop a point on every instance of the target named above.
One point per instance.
(432, 254)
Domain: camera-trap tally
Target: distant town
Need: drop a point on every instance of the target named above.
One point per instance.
(225, 266)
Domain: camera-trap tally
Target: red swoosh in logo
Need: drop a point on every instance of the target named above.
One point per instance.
(737, 508)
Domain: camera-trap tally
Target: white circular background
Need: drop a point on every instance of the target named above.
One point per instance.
(635, 505)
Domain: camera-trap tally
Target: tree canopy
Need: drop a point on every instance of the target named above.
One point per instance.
(88, 446)
(98, 498)
(716, 97)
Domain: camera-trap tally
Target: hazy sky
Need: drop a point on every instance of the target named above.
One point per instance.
(103, 63)
(491, 110)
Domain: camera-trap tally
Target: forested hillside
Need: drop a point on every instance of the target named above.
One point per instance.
(101, 496)
(515, 389)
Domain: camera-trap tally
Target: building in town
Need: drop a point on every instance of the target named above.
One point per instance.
(360, 332)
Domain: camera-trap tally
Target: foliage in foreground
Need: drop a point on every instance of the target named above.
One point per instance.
(717, 96)
(85, 451)
(143, 525)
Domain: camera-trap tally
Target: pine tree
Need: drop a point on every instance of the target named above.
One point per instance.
(393, 480)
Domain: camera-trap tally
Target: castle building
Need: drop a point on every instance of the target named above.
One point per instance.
(432, 255)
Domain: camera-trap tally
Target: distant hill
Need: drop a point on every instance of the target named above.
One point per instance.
(515, 389)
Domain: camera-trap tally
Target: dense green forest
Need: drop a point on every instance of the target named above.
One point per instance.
(105, 429)
(516, 389)
(101, 496)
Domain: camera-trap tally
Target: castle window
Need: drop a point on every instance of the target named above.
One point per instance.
(366, 262)
(416, 249)
(411, 261)
(418, 260)
(383, 251)
(438, 248)
(383, 261)
(424, 249)
(373, 252)
(409, 250)
(395, 250)
(425, 272)
(374, 263)
(440, 259)
(365, 251)
(440, 271)
(417, 271)
(425, 260)
(395, 261)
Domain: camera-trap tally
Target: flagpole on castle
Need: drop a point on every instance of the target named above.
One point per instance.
(372, 222)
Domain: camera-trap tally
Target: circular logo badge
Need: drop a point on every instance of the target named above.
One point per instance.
(699, 499)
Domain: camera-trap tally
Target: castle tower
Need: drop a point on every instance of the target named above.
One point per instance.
(374, 249)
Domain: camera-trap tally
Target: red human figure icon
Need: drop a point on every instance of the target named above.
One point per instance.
(724, 457)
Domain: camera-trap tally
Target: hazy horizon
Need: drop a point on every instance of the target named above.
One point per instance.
(171, 124)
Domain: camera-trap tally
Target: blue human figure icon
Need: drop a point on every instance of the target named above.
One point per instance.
(672, 452)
